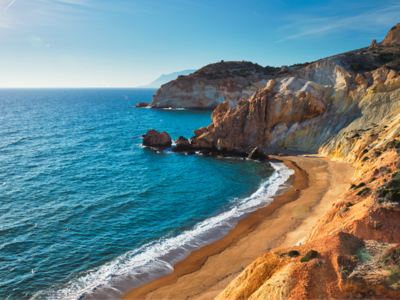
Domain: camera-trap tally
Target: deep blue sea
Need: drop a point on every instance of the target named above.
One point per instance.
(86, 210)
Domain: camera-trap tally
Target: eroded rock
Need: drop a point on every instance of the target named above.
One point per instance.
(154, 138)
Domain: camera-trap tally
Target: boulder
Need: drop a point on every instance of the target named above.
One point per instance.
(225, 144)
(154, 138)
(183, 143)
(257, 154)
(143, 104)
(206, 140)
(200, 131)
(374, 44)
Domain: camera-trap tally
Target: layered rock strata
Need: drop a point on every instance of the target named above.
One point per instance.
(306, 108)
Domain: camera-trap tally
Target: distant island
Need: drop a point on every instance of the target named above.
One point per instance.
(163, 79)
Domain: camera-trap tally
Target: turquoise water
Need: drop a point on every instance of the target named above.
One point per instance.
(84, 207)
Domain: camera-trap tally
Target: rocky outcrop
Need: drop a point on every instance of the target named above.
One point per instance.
(154, 138)
(356, 118)
(306, 108)
(182, 144)
(143, 104)
(212, 85)
(258, 154)
(393, 36)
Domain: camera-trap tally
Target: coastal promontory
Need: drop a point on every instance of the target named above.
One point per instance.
(214, 84)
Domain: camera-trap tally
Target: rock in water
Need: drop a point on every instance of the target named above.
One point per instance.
(154, 138)
(257, 154)
(143, 104)
(183, 143)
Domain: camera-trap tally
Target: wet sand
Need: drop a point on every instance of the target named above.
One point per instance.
(317, 182)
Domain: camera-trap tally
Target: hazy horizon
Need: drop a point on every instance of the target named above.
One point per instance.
(87, 43)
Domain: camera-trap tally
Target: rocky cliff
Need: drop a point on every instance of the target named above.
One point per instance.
(212, 85)
(307, 108)
(334, 108)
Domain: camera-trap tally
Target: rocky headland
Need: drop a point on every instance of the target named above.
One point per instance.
(212, 85)
(345, 109)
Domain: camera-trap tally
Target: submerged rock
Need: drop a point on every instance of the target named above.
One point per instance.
(154, 138)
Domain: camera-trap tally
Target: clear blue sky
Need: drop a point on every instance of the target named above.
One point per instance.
(127, 43)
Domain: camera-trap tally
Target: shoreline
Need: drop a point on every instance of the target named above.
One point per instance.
(208, 270)
(197, 258)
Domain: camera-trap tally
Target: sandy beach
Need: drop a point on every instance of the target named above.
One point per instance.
(316, 184)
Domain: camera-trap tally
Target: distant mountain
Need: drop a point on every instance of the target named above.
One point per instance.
(166, 78)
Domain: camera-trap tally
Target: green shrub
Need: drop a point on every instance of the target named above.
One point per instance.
(346, 209)
(352, 186)
(390, 257)
(373, 179)
(389, 170)
(362, 191)
(384, 57)
(393, 189)
(365, 158)
(365, 151)
(293, 253)
(395, 174)
(393, 28)
(357, 67)
(349, 204)
(310, 255)
(360, 185)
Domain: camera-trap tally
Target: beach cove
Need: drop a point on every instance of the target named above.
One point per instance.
(316, 184)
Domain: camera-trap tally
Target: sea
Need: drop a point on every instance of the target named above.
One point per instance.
(87, 212)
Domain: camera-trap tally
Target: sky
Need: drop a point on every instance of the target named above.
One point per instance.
(128, 43)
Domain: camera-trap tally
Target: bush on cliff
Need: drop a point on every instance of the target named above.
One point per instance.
(393, 189)
(390, 257)
(309, 256)
(293, 253)
(358, 186)
(365, 190)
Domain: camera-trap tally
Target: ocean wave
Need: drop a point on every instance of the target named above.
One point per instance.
(156, 259)
(172, 108)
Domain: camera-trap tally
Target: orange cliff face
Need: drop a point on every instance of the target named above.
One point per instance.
(306, 108)
(349, 116)
(212, 85)
(393, 36)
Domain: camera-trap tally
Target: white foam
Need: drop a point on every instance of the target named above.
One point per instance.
(159, 257)
(172, 108)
